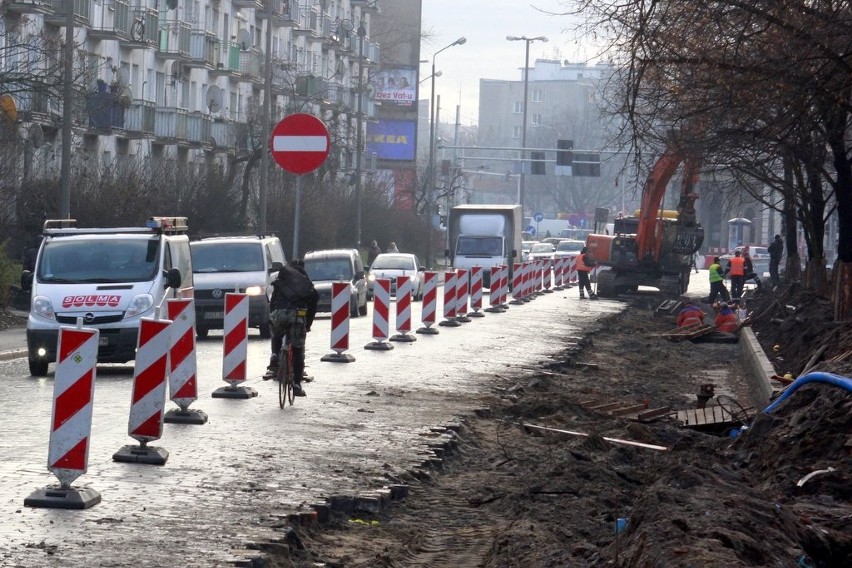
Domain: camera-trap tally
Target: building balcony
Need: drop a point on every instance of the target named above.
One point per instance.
(309, 22)
(144, 29)
(202, 49)
(372, 5)
(334, 95)
(170, 125)
(371, 53)
(82, 12)
(105, 111)
(38, 106)
(283, 76)
(114, 21)
(198, 129)
(226, 60)
(43, 7)
(222, 135)
(285, 13)
(252, 4)
(139, 119)
(251, 63)
(174, 40)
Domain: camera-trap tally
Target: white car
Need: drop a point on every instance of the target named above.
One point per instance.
(542, 250)
(569, 248)
(525, 248)
(394, 264)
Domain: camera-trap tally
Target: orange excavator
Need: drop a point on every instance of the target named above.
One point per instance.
(655, 248)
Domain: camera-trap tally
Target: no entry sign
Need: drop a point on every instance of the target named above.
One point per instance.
(300, 143)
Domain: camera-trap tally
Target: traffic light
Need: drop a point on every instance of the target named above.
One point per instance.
(537, 163)
(564, 157)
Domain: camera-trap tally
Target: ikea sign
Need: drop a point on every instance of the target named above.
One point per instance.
(392, 139)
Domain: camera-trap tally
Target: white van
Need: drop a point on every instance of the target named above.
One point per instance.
(225, 264)
(110, 277)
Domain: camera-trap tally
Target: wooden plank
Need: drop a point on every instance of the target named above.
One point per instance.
(654, 413)
(606, 406)
(632, 409)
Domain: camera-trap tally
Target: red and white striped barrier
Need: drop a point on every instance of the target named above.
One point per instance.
(517, 283)
(341, 297)
(462, 295)
(183, 369)
(559, 272)
(494, 291)
(547, 275)
(449, 300)
(381, 315)
(403, 310)
(504, 286)
(429, 304)
(148, 401)
(527, 281)
(235, 348)
(476, 292)
(71, 420)
(573, 271)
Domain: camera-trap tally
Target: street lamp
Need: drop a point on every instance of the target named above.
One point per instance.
(359, 132)
(528, 41)
(431, 169)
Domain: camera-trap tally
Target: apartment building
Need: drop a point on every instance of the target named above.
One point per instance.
(184, 80)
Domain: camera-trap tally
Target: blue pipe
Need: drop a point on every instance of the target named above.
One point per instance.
(819, 377)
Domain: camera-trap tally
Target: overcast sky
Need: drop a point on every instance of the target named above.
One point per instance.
(487, 54)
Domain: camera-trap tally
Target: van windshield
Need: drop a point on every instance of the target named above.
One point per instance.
(480, 246)
(226, 257)
(328, 269)
(99, 260)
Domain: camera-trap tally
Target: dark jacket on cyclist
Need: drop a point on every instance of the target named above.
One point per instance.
(293, 289)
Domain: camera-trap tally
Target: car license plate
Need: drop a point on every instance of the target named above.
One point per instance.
(103, 340)
(214, 315)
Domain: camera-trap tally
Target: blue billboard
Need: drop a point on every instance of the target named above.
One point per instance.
(392, 139)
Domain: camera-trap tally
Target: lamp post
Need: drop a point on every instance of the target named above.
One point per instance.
(430, 177)
(266, 118)
(362, 32)
(528, 41)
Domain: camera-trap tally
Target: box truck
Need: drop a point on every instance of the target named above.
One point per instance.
(484, 235)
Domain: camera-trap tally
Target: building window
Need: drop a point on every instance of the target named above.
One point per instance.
(537, 96)
(518, 107)
(536, 118)
(516, 132)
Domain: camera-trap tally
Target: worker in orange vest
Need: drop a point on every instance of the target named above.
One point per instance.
(690, 315)
(584, 265)
(726, 319)
(736, 269)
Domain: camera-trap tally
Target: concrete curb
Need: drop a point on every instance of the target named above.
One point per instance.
(12, 354)
(760, 368)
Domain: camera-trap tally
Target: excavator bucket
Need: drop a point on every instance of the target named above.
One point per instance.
(688, 240)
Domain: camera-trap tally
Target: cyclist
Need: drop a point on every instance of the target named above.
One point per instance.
(291, 290)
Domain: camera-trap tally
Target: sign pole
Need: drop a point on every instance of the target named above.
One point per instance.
(298, 215)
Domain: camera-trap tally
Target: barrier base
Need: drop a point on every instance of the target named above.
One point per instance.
(548, 291)
(560, 288)
(188, 416)
(428, 331)
(516, 302)
(463, 318)
(232, 391)
(151, 455)
(63, 498)
(494, 310)
(449, 323)
(476, 315)
(379, 346)
(337, 358)
(403, 338)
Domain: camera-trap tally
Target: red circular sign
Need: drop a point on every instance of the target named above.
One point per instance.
(300, 143)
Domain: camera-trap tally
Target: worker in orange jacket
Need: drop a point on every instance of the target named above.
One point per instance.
(726, 319)
(736, 269)
(690, 315)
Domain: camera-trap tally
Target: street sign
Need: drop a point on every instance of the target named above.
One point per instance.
(530, 230)
(300, 143)
(538, 217)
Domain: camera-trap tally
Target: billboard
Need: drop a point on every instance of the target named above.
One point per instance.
(392, 139)
(396, 87)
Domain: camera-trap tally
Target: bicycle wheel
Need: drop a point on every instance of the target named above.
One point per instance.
(288, 379)
(284, 377)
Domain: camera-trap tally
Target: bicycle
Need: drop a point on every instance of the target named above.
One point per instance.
(294, 340)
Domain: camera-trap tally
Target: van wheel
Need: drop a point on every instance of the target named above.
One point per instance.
(201, 332)
(265, 333)
(38, 368)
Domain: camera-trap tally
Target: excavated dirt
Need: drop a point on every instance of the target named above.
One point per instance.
(516, 496)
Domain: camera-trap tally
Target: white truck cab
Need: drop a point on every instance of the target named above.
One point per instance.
(110, 277)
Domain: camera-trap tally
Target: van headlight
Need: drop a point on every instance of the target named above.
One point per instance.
(255, 291)
(139, 305)
(42, 307)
